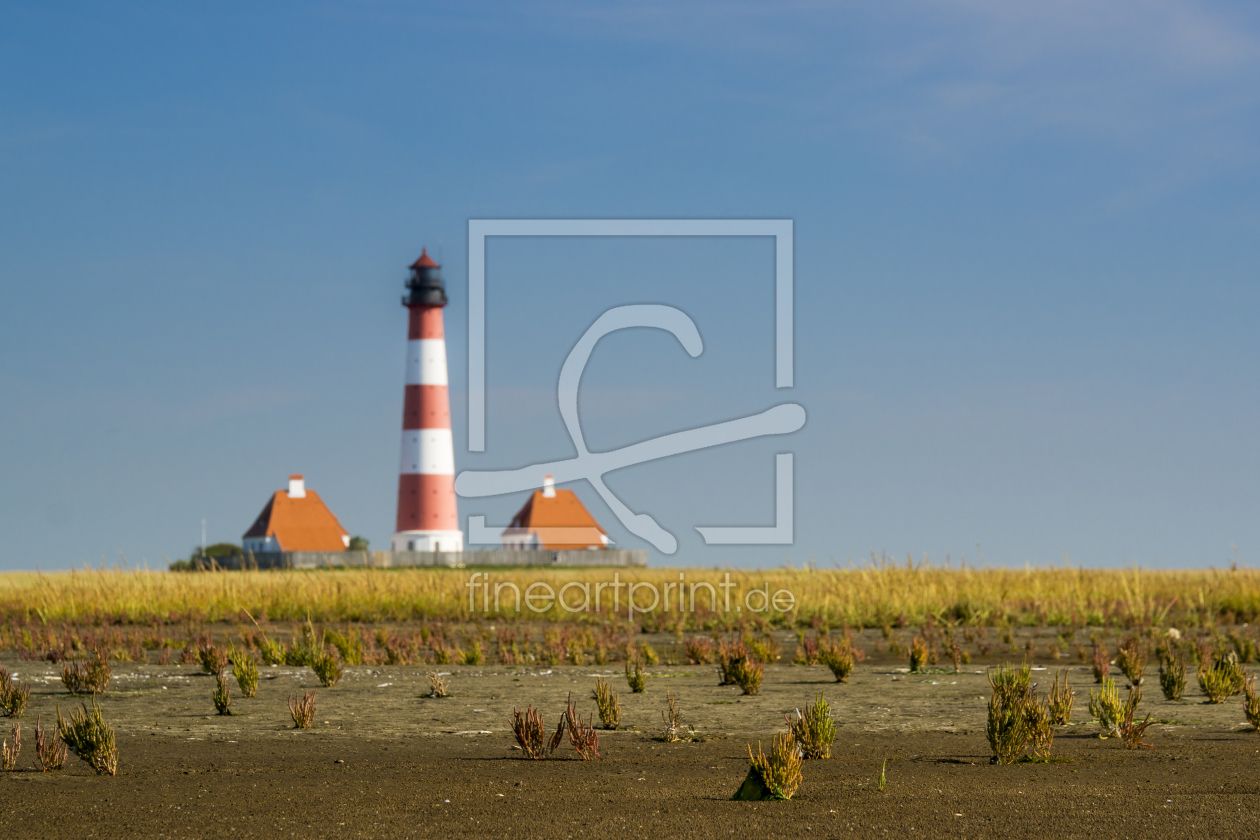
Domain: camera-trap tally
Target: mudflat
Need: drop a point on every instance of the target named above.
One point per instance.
(383, 760)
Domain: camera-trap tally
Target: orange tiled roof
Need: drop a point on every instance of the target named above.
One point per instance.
(543, 516)
(303, 524)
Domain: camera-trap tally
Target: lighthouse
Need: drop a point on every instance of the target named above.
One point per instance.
(427, 520)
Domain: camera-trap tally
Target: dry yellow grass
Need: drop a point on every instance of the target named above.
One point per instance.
(871, 596)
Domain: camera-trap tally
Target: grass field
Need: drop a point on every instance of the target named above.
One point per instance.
(879, 595)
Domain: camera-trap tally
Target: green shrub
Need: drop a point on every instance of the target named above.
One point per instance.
(13, 696)
(89, 737)
(90, 677)
(608, 703)
(918, 654)
(328, 669)
(1106, 708)
(1251, 702)
(1130, 660)
(1172, 673)
(838, 656)
(636, 677)
(245, 669)
(474, 655)
(1222, 677)
(776, 776)
(747, 674)
(1061, 701)
(814, 730)
(222, 694)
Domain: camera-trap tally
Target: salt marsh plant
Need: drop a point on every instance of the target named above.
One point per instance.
(12, 747)
(50, 749)
(672, 716)
(328, 669)
(838, 656)
(1102, 664)
(1172, 672)
(532, 735)
(1061, 701)
(774, 776)
(214, 659)
(1251, 702)
(608, 703)
(245, 669)
(474, 655)
(437, 685)
(1130, 660)
(1221, 677)
(636, 677)
(87, 677)
(582, 734)
(222, 695)
(1106, 708)
(918, 654)
(1040, 725)
(814, 730)
(88, 736)
(699, 650)
(728, 653)
(747, 674)
(302, 710)
(1007, 726)
(1131, 730)
(13, 695)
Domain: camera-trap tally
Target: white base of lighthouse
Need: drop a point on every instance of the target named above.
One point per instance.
(444, 541)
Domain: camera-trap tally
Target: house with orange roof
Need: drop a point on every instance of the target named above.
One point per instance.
(556, 520)
(297, 520)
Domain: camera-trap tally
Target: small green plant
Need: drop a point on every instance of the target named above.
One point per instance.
(1131, 731)
(1061, 701)
(672, 716)
(883, 779)
(1007, 729)
(272, 653)
(918, 654)
(650, 657)
(13, 696)
(814, 730)
(88, 736)
(1130, 660)
(350, 645)
(302, 710)
(9, 752)
(214, 660)
(838, 656)
(636, 677)
(1172, 673)
(1251, 702)
(245, 669)
(532, 735)
(1106, 708)
(1037, 715)
(1102, 664)
(474, 655)
(747, 674)
(1221, 677)
(90, 677)
(437, 685)
(50, 749)
(609, 705)
(776, 776)
(222, 695)
(328, 669)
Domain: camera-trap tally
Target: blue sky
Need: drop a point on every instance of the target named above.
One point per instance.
(1026, 265)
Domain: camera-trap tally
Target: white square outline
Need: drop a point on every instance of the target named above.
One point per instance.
(781, 532)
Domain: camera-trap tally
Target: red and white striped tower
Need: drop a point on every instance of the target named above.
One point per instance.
(427, 520)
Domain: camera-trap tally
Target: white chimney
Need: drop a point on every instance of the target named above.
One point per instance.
(549, 486)
(297, 487)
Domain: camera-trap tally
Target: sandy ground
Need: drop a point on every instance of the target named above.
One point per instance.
(385, 761)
